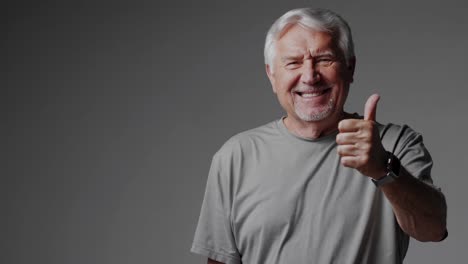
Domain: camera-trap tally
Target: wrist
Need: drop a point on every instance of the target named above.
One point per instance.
(392, 171)
(381, 170)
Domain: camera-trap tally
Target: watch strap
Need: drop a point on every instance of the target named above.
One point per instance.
(392, 171)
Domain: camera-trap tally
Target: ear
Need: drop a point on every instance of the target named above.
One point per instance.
(271, 77)
(350, 68)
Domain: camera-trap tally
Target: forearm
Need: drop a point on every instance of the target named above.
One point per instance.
(420, 209)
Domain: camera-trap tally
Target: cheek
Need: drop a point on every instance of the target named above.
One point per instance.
(288, 81)
(332, 76)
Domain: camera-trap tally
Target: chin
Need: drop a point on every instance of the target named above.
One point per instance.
(316, 115)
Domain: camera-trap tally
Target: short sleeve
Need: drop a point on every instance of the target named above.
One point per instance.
(213, 236)
(412, 153)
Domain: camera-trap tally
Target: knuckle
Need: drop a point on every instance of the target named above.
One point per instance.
(341, 125)
(345, 162)
(363, 135)
(367, 136)
(363, 146)
(339, 138)
(358, 145)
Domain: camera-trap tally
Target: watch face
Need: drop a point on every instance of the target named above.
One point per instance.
(394, 166)
(393, 170)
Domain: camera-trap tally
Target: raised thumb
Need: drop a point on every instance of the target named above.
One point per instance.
(370, 109)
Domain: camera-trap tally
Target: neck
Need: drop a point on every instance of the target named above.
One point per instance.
(314, 129)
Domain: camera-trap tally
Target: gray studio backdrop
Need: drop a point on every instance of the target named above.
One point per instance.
(114, 110)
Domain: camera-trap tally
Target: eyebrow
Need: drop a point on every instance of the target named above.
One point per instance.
(314, 54)
(291, 57)
(323, 53)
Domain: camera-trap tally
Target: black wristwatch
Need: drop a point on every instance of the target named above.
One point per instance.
(393, 171)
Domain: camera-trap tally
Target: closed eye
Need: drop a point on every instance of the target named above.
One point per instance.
(324, 61)
(293, 64)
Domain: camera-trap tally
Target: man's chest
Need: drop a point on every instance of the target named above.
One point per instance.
(285, 204)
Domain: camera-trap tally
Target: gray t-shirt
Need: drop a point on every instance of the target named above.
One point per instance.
(273, 197)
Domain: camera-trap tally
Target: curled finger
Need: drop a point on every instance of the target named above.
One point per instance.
(346, 150)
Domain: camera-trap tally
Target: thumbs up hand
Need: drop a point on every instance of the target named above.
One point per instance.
(359, 142)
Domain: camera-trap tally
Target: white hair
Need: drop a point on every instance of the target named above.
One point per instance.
(318, 19)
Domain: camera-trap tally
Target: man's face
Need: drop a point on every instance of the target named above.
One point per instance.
(309, 75)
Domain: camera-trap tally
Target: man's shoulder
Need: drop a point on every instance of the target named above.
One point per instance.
(247, 138)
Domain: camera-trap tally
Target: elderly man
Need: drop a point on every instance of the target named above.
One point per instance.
(318, 185)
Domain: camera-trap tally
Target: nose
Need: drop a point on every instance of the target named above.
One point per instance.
(310, 74)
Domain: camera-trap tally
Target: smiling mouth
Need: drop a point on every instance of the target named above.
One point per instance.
(311, 94)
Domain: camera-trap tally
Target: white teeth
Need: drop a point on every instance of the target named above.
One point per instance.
(307, 95)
